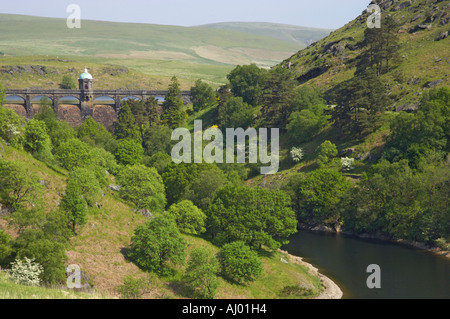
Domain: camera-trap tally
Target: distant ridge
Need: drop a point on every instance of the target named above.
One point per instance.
(302, 36)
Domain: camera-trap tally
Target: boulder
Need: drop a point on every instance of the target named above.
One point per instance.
(115, 188)
(434, 83)
(442, 36)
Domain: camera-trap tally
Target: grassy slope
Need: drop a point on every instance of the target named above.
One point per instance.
(100, 245)
(301, 36)
(419, 52)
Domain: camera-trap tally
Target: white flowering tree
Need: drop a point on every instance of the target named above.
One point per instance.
(297, 154)
(347, 163)
(26, 272)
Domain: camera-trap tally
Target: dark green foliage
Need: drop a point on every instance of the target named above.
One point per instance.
(158, 139)
(11, 126)
(174, 114)
(125, 127)
(129, 152)
(397, 201)
(159, 161)
(248, 82)
(413, 135)
(359, 103)
(50, 253)
(189, 218)
(143, 187)
(318, 197)
(146, 113)
(201, 273)
(18, 186)
(239, 263)
(304, 124)
(277, 95)
(156, 244)
(305, 97)
(6, 249)
(255, 216)
(202, 95)
(68, 83)
(196, 182)
(235, 113)
(95, 134)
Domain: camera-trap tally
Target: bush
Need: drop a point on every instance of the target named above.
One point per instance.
(239, 262)
(347, 163)
(297, 154)
(26, 272)
(133, 288)
(129, 152)
(296, 291)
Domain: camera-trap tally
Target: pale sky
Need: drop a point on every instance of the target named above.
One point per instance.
(329, 14)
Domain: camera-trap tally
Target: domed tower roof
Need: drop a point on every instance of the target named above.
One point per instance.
(86, 75)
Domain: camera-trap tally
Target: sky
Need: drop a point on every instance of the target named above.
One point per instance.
(328, 14)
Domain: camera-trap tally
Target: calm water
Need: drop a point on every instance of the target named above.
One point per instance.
(406, 273)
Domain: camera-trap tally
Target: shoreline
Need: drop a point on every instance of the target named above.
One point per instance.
(417, 245)
(330, 289)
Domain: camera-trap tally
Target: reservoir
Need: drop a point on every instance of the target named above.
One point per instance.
(406, 273)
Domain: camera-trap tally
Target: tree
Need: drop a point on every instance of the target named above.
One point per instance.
(11, 126)
(304, 124)
(73, 153)
(143, 187)
(26, 272)
(253, 215)
(318, 197)
(68, 83)
(125, 127)
(74, 204)
(159, 161)
(157, 243)
(87, 182)
(189, 218)
(95, 134)
(201, 273)
(18, 186)
(325, 152)
(6, 250)
(203, 95)
(37, 140)
(276, 98)
(239, 262)
(158, 139)
(173, 108)
(359, 103)
(248, 82)
(382, 45)
(129, 152)
(235, 113)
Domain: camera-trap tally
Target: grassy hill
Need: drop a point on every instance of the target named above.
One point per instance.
(301, 36)
(100, 245)
(424, 59)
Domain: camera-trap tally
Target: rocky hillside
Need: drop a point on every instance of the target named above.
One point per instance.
(423, 27)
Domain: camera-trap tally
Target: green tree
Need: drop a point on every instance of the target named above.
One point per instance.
(359, 103)
(143, 187)
(203, 96)
(256, 216)
(125, 127)
(325, 153)
(239, 263)
(235, 113)
(157, 243)
(95, 134)
(37, 141)
(74, 204)
(129, 152)
(319, 195)
(18, 186)
(73, 153)
(88, 184)
(158, 139)
(159, 161)
(189, 218)
(6, 249)
(173, 107)
(68, 83)
(248, 82)
(277, 97)
(11, 127)
(201, 273)
(304, 124)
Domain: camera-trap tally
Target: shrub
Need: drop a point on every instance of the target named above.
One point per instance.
(26, 272)
(239, 262)
(133, 288)
(129, 152)
(347, 163)
(297, 154)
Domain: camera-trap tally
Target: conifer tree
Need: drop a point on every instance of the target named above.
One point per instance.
(173, 108)
(125, 126)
